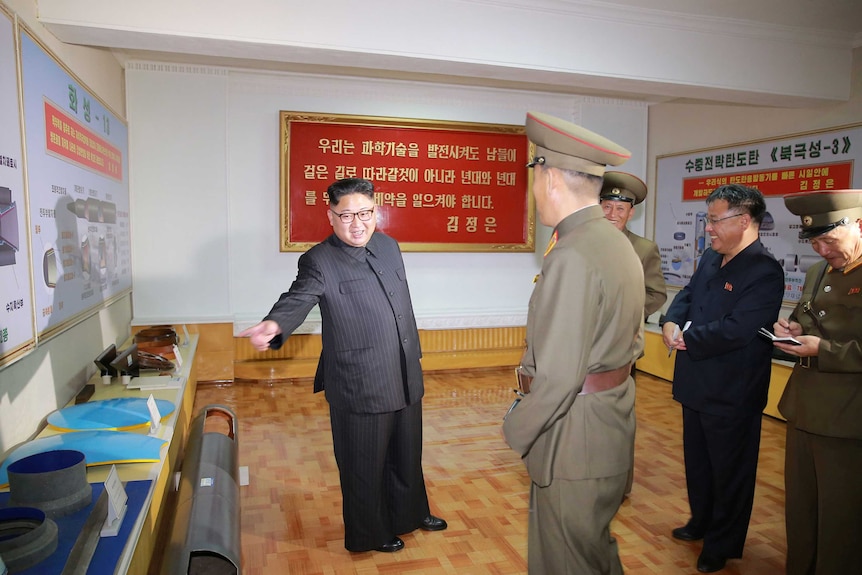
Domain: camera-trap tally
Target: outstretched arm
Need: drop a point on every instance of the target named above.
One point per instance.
(261, 334)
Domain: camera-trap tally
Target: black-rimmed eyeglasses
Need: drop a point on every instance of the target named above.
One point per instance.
(347, 217)
(536, 161)
(714, 221)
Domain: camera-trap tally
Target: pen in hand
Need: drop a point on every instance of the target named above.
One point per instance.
(676, 334)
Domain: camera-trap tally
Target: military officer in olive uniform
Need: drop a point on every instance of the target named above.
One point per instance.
(575, 428)
(823, 398)
(621, 192)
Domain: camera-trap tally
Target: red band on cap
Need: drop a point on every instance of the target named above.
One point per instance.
(591, 145)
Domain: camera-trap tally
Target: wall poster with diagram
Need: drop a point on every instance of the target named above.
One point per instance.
(78, 186)
(822, 160)
(17, 334)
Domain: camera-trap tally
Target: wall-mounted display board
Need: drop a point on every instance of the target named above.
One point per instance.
(822, 160)
(17, 334)
(78, 186)
(440, 186)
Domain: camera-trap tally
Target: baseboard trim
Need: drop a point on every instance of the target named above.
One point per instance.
(442, 350)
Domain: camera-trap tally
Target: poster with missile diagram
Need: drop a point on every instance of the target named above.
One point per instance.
(77, 170)
(16, 310)
(823, 160)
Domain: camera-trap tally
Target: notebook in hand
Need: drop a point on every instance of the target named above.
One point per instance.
(771, 336)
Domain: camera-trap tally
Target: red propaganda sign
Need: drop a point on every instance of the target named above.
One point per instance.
(778, 181)
(70, 140)
(439, 186)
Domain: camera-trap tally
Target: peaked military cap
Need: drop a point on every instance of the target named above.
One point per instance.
(823, 211)
(623, 187)
(561, 144)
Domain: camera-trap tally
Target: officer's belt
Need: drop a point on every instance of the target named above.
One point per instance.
(604, 380)
(594, 382)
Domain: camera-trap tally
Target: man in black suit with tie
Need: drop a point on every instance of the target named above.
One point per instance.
(369, 368)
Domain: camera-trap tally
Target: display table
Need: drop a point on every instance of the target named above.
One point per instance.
(153, 518)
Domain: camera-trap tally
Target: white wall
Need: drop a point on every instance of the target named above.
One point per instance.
(205, 166)
(49, 377)
(626, 124)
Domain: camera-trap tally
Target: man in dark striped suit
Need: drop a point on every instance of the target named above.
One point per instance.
(369, 368)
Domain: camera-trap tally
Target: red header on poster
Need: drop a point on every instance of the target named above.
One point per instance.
(439, 186)
(68, 139)
(775, 181)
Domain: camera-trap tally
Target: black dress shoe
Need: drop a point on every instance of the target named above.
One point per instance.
(391, 546)
(707, 564)
(686, 533)
(432, 523)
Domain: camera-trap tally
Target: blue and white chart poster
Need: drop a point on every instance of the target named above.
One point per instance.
(16, 314)
(77, 173)
(798, 163)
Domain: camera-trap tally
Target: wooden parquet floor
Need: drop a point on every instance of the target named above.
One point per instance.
(291, 509)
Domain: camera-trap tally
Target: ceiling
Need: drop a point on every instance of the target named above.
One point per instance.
(840, 15)
(814, 22)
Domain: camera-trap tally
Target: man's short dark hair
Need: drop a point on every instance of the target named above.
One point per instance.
(749, 200)
(349, 186)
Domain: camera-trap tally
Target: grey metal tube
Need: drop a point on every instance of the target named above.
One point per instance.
(205, 537)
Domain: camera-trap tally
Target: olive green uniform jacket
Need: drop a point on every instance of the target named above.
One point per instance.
(656, 290)
(585, 316)
(826, 397)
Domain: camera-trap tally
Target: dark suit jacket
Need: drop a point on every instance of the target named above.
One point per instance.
(370, 357)
(726, 367)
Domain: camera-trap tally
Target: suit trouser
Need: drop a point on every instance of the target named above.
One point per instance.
(569, 527)
(823, 506)
(379, 457)
(720, 472)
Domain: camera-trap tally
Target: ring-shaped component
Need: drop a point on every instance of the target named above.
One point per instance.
(27, 536)
(53, 481)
